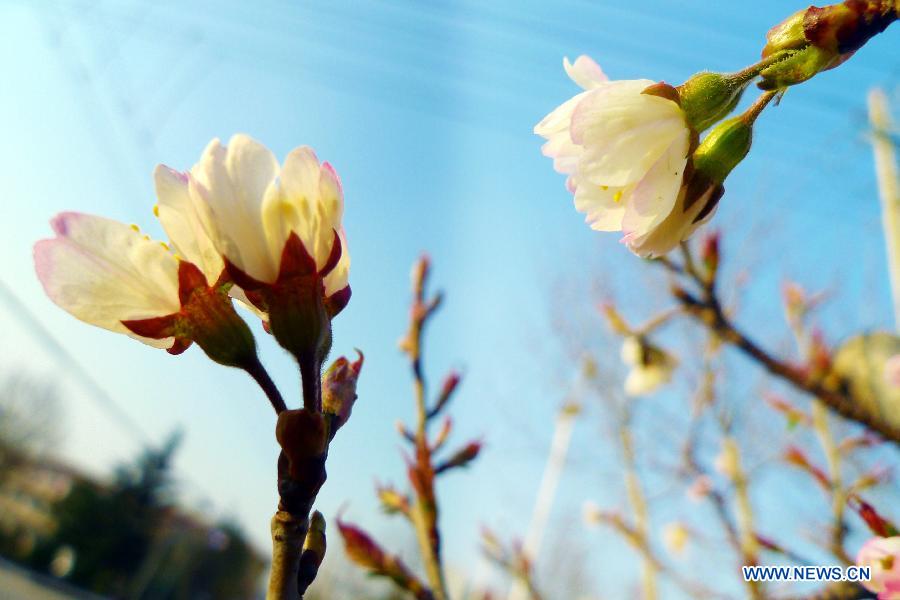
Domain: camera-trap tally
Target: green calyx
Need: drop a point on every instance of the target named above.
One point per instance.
(723, 149)
(210, 320)
(707, 97)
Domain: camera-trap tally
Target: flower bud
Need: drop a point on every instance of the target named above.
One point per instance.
(365, 552)
(339, 389)
(876, 523)
(787, 35)
(820, 38)
(451, 382)
(709, 255)
(707, 97)
(313, 552)
(728, 462)
(675, 537)
(651, 366)
(460, 458)
(722, 149)
(393, 501)
(700, 488)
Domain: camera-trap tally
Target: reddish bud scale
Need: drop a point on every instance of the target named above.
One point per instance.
(303, 435)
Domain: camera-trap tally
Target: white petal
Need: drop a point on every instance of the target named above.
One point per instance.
(104, 272)
(604, 208)
(182, 222)
(624, 132)
(339, 277)
(228, 186)
(560, 119)
(585, 72)
(240, 296)
(306, 200)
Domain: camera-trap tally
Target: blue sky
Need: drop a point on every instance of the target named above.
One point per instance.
(426, 111)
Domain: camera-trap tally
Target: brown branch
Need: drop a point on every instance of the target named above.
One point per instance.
(709, 313)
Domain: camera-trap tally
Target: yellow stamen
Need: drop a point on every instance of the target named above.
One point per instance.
(617, 197)
(164, 245)
(156, 210)
(604, 187)
(135, 228)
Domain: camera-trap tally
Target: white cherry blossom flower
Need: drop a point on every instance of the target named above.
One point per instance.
(625, 152)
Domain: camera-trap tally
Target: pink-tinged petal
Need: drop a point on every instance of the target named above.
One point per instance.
(655, 194)
(585, 72)
(104, 272)
(875, 554)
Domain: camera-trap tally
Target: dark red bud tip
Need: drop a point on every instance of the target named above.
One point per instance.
(663, 90)
(876, 523)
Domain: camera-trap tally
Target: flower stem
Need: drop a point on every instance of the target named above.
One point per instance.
(757, 107)
(259, 374)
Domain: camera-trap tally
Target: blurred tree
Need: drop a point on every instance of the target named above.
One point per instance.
(110, 530)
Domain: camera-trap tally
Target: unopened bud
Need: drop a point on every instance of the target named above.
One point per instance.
(393, 501)
(820, 38)
(451, 382)
(708, 97)
(461, 457)
(339, 389)
(709, 254)
(723, 149)
(313, 552)
(700, 488)
(675, 537)
(876, 523)
(787, 35)
(728, 462)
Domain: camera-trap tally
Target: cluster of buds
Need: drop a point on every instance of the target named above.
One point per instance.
(816, 39)
(632, 150)
(419, 506)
